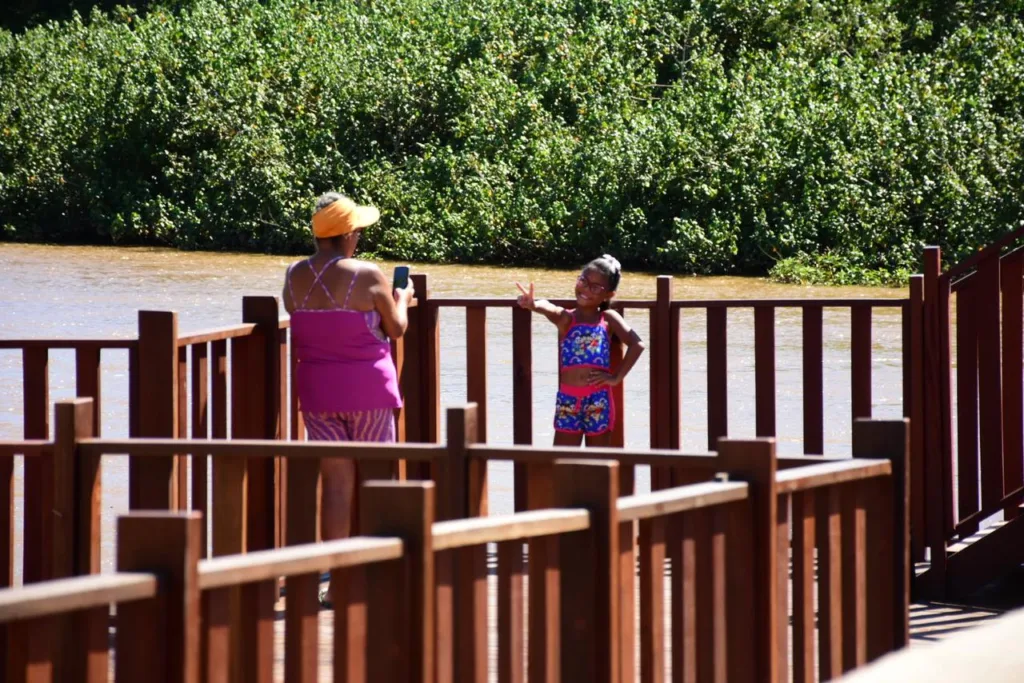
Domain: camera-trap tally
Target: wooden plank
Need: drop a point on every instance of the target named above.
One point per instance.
(817, 476)
(201, 430)
(782, 595)
(430, 343)
(627, 595)
(752, 541)
(683, 556)
(215, 642)
(511, 640)
(88, 382)
(400, 623)
(712, 628)
(470, 611)
(888, 533)
(219, 390)
(803, 587)
(589, 563)
(36, 410)
(854, 554)
(764, 370)
(935, 453)
(830, 594)
(618, 433)
(476, 366)
(182, 427)
(663, 383)
(680, 499)
(813, 383)
(990, 398)
(51, 598)
(913, 349)
(652, 601)
(860, 361)
(522, 397)
(718, 402)
(946, 413)
(350, 624)
(301, 632)
(158, 639)
(967, 401)
(462, 533)
(1012, 285)
(153, 482)
(31, 652)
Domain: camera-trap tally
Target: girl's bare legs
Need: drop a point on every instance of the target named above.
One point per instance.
(339, 481)
(599, 440)
(567, 439)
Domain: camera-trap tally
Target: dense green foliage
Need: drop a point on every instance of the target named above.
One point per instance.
(837, 137)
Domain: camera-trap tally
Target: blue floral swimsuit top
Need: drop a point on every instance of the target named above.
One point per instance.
(586, 345)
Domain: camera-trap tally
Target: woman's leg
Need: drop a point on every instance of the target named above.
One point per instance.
(339, 483)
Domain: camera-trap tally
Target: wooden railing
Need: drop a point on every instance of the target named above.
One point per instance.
(410, 596)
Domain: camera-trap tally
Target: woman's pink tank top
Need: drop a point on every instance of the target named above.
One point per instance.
(344, 362)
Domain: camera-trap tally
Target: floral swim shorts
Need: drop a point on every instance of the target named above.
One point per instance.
(584, 410)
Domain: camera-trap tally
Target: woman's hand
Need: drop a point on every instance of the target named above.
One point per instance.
(603, 378)
(526, 299)
(404, 296)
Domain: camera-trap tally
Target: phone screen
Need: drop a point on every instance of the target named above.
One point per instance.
(401, 277)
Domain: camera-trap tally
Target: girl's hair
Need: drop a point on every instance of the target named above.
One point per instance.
(609, 266)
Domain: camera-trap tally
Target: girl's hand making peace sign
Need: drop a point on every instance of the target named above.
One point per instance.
(526, 299)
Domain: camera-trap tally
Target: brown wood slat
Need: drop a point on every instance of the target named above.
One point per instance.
(31, 651)
(990, 399)
(618, 434)
(946, 417)
(854, 558)
(967, 401)
(215, 642)
(813, 384)
(201, 430)
(447, 646)
(301, 631)
(182, 427)
(652, 601)
(718, 397)
(88, 382)
(158, 639)
(1012, 284)
(764, 370)
(476, 366)
(914, 348)
(219, 390)
(588, 647)
(511, 640)
(860, 361)
(628, 554)
(471, 625)
(36, 411)
(830, 595)
(350, 624)
(522, 396)
(543, 611)
(683, 555)
(782, 596)
(153, 481)
(712, 603)
(803, 587)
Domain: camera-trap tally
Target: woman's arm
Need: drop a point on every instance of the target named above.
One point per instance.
(556, 314)
(634, 349)
(392, 305)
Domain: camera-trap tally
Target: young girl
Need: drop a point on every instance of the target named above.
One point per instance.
(584, 404)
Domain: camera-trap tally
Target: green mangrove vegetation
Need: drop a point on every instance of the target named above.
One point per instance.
(819, 140)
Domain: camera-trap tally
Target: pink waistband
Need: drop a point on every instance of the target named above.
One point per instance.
(579, 392)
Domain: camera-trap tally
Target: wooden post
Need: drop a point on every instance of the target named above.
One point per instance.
(913, 408)
(663, 384)
(36, 402)
(153, 481)
(302, 608)
(888, 534)
(158, 639)
(589, 562)
(756, 623)
(764, 370)
(522, 403)
(937, 444)
(75, 529)
(476, 365)
(400, 594)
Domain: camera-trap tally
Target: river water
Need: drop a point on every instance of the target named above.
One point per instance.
(95, 292)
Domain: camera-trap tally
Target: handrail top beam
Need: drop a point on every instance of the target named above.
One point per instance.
(266, 565)
(68, 343)
(680, 499)
(460, 533)
(830, 474)
(77, 593)
(262, 448)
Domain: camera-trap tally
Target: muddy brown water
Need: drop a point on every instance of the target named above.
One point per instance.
(94, 292)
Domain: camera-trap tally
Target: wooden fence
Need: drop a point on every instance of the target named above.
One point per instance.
(734, 540)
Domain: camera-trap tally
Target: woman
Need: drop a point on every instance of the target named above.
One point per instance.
(343, 316)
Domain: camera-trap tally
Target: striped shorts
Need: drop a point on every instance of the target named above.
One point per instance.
(364, 425)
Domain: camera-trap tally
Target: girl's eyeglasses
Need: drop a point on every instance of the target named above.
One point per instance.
(594, 287)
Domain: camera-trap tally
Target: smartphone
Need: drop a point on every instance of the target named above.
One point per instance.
(401, 277)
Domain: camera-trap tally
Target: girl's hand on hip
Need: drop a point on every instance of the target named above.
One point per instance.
(526, 299)
(603, 378)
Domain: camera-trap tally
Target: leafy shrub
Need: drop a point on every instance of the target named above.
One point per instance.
(711, 137)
